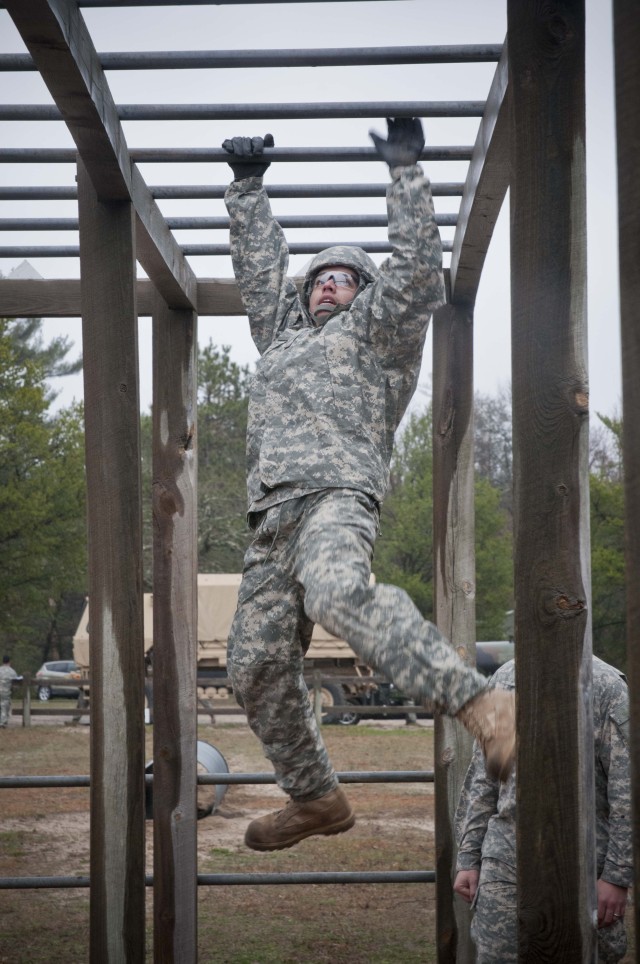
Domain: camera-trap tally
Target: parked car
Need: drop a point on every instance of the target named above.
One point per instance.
(63, 670)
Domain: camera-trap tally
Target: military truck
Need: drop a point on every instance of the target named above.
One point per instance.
(344, 680)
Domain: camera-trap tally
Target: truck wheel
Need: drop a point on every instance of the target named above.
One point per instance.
(331, 695)
(349, 718)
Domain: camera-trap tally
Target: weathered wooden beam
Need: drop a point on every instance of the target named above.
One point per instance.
(61, 298)
(555, 761)
(454, 594)
(626, 22)
(484, 191)
(112, 433)
(175, 648)
(63, 51)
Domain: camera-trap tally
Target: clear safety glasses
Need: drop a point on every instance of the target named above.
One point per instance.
(341, 279)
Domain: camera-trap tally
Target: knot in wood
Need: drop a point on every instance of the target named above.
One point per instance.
(167, 502)
(570, 607)
(559, 28)
(122, 388)
(447, 757)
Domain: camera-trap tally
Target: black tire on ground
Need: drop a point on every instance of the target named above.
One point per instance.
(331, 695)
(348, 718)
(44, 693)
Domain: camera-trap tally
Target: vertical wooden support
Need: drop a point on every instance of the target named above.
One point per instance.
(454, 593)
(175, 574)
(555, 766)
(26, 700)
(112, 428)
(627, 43)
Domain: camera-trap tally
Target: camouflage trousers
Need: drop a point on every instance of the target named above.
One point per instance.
(5, 709)
(310, 562)
(494, 928)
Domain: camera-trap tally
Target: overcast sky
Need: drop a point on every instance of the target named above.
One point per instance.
(353, 24)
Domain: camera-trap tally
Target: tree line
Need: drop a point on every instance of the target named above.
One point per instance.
(43, 563)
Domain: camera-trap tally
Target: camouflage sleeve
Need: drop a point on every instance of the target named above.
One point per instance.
(618, 865)
(260, 259)
(478, 803)
(411, 283)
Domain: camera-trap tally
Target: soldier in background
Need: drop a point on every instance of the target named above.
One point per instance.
(7, 675)
(339, 364)
(486, 832)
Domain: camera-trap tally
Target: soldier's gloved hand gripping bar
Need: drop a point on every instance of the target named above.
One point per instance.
(404, 143)
(247, 159)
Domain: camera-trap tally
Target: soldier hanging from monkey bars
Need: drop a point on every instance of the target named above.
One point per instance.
(338, 367)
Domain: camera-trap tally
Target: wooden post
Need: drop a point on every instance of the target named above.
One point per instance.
(175, 643)
(555, 763)
(317, 696)
(26, 700)
(112, 433)
(627, 43)
(454, 594)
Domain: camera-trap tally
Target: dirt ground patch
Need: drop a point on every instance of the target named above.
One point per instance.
(46, 832)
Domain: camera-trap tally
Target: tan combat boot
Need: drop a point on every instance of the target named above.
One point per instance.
(491, 718)
(301, 818)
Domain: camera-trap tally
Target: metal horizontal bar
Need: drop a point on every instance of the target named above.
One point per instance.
(353, 776)
(213, 155)
(295, 247)
(191, 112)
(222, 223)
(213, 779)
(217, 191)
(322, 57)
(322, 877)
(174, 3)
(223, 880)
(196, 250)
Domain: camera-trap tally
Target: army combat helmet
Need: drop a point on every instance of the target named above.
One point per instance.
(344, 254)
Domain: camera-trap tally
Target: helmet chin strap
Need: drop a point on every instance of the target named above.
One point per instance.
(321, 317)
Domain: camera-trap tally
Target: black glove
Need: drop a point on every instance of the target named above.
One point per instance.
(404, 142)
(243, 150)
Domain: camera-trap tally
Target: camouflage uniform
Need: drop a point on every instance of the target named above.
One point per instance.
(7, 674)
(486, 825)
(325, 402)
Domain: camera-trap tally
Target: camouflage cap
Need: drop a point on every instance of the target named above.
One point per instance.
(346, 254)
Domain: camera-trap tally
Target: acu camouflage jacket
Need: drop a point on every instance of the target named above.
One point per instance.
(486, 814)
(326, 399)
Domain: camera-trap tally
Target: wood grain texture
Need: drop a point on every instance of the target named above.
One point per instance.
(175, 650)
(484, 191)
(555, 790)
(454, 594)
(60, 298)
(112, 433)
(627, 71)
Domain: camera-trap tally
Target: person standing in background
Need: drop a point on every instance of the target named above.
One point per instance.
(7, 676)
